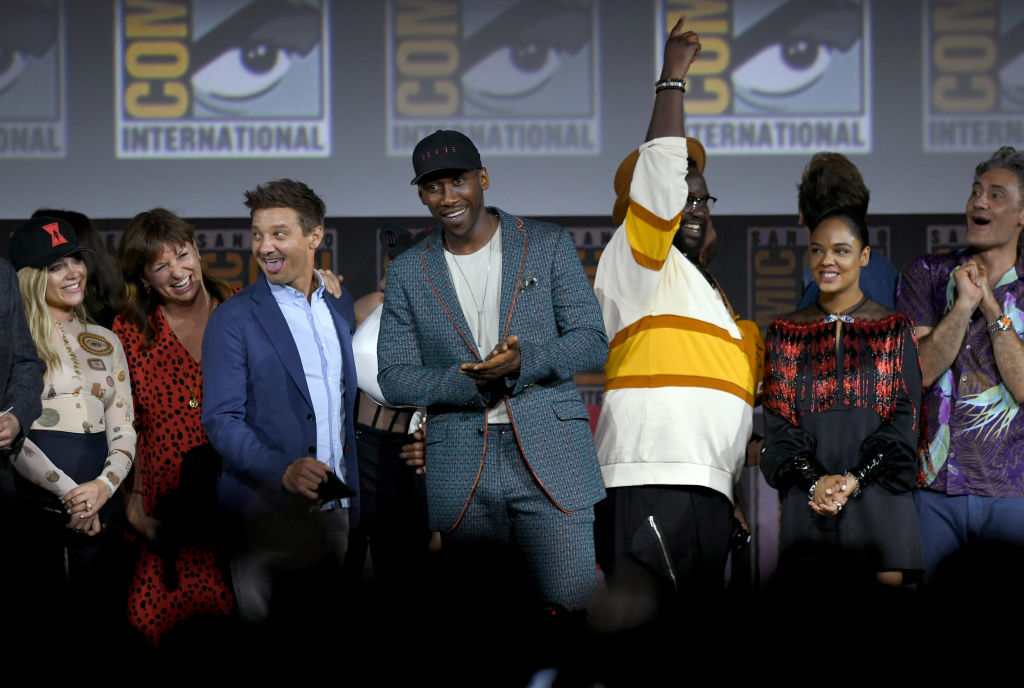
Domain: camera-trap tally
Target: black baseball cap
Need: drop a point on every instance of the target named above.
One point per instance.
(42, 241)
(444, 150)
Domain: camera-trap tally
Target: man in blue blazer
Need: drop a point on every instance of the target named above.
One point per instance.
(485, 323)
(279, 386)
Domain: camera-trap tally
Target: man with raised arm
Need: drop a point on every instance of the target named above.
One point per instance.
(679, 393)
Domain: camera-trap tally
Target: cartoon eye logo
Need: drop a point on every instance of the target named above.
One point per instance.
(513, 71)
(26, 33)
(539, 37)
(784, 69)
(793, 50)
(251, 52)
(242, 72)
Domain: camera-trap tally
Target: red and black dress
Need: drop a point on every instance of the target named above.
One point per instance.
(840, 395)
(165, 379)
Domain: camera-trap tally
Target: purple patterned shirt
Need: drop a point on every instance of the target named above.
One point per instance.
(975, 429)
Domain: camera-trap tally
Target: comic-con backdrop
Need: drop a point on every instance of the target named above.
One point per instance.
(111, 106)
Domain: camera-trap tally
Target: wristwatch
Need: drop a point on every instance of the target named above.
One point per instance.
(1002, 323)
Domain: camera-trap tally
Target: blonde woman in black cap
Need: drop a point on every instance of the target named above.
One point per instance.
(80, 449)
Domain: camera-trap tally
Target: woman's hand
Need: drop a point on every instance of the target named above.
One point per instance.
(86, 500)
(831, 493)
(332, 282)
(849, 486)
(144, 524)
(89, 526)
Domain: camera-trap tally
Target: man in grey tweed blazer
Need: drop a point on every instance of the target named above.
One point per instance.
(485, 323)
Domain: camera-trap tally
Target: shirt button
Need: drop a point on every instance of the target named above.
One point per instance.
(963, 378)
(968, 347)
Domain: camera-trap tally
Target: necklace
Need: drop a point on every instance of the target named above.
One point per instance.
(480, 305)
(194, 387)
(75, 365)
(831, 317)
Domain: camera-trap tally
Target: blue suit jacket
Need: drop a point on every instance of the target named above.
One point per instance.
(548, 302)
(257, 410)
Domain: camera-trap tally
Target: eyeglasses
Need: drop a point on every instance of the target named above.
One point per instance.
(692, 202)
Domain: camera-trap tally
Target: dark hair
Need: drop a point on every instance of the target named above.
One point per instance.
(288, 193)
(1006, 158)
(831, 183)
(103, 297)
(853, 219)
(142, 242)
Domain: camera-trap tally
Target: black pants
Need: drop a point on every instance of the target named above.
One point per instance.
(52, 565)
(393, 513)
(677, 535)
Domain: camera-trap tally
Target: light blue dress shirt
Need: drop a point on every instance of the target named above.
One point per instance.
(316, 338)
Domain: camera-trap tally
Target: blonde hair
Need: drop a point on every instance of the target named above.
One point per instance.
(32, 283)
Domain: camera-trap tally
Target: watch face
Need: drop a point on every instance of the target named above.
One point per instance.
(1003, 323)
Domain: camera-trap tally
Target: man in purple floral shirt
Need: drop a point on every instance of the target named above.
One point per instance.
(967, 308)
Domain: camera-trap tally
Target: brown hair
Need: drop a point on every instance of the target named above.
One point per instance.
(831, 184)
(288, 193)
(142, 242)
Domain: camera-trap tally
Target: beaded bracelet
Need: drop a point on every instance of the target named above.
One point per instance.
(677, 84)
(810, 492)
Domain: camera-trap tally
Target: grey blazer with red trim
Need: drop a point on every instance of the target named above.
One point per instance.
(547, 301)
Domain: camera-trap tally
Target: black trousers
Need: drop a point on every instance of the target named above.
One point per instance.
(677, 535)
(393, 513)
(53, 566)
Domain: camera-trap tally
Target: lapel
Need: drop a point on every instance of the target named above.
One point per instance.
(268, 315)
(347, 364)
(436, 269)
(514, 243)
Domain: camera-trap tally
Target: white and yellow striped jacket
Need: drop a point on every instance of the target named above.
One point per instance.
(680, 387)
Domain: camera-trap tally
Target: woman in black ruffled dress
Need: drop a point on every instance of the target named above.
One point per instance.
(842, 403)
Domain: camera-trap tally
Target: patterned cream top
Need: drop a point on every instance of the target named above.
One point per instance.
(90, 393)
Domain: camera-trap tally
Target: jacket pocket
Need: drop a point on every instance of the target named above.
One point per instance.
(570, 409)
(433, 433)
